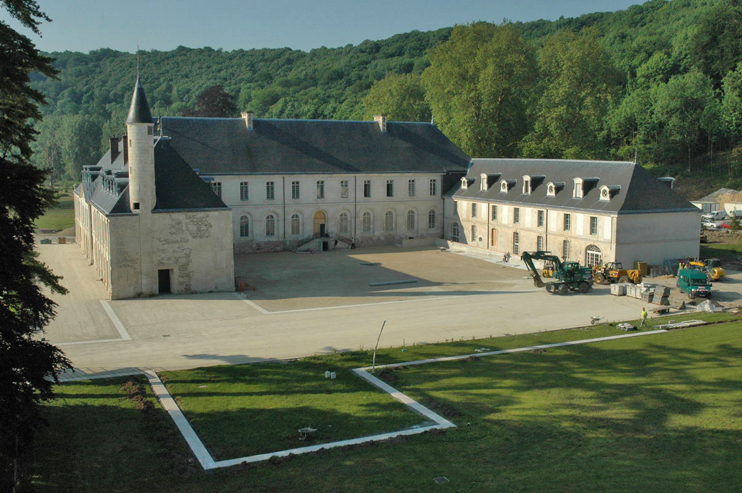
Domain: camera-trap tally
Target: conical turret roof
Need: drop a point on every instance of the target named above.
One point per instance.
(139, 109)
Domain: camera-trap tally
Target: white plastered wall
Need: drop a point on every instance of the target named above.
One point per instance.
(652, 238)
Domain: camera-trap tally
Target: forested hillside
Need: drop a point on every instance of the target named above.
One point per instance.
(661, 80)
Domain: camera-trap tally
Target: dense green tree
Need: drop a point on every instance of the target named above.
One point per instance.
(580, 86)
(681, 108)
(479, 84)
(28, 366)
(732, 104)
(214, 102)
(717, 41)
(400, 97)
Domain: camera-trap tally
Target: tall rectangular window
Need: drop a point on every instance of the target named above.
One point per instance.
(473, 209)
(433, 187)
(367, 188)
(516, 243)
(295, 190)
(343, 189)
(494, 213)
(411, 188)
(540, 219)
(540, 243)
(321, 189)
(270, 191)
(593, 225)
(567, 222)
(516, 215)
(244, 191)
(390, 188)
(216, 187)
(565, 249)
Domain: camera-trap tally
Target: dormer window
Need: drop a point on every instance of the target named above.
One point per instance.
(608, 191)
(550, 190)
(506, 185)
(577, 192)
(464, 183)
(526, 185)
(483, 182)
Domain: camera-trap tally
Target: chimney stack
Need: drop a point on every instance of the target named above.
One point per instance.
(248, 120)
(114, 148)
(381, 120)
(125, 144)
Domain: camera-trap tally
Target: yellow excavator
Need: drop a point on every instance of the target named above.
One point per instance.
(711, 267)
(614, 272)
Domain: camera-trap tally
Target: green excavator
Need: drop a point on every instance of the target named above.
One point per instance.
(568, 276)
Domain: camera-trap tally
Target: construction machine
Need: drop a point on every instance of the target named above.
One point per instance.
(711, 267)
(568, 276)
(614, 272)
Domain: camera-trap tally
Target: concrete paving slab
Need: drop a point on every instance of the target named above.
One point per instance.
(461, 297)
(80, 315)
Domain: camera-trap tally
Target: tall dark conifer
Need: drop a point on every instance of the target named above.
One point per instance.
(28, 366)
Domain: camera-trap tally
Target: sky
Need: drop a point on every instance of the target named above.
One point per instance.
(85, 25)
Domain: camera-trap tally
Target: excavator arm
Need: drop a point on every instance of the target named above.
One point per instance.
(527, 258)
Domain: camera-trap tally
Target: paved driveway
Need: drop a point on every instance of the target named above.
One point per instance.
(306, 304)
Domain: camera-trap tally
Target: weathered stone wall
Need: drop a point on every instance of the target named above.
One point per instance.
(125, 253)
(652, 238)
(197, 248)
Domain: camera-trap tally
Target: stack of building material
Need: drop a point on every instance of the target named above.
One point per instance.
(619, 289)
(662, 295)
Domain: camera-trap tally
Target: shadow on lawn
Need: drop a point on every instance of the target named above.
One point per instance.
(627, 390)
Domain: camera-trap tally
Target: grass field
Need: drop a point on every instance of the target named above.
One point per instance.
(722, 250)
(252, 409)
(62, 216)
(659, 413)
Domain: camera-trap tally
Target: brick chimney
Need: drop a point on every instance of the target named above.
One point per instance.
(248, 120)
(114, 148)
(381, 120)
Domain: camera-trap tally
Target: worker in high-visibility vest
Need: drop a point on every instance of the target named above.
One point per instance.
(644, 318)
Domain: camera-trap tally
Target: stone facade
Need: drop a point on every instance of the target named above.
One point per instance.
(280, 212)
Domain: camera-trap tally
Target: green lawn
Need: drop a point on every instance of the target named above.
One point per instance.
(721, 250)
(61, 216)
(659, 413)
(252, 409)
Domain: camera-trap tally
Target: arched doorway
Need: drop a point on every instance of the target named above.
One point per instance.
(320, 223)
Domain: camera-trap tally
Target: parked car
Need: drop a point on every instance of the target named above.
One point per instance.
(711, 225)
(715, 216)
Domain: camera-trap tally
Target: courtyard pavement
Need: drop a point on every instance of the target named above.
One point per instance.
(303, 304)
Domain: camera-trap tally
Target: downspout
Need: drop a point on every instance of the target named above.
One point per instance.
(489, 217)
(355, 207)
(283, 180)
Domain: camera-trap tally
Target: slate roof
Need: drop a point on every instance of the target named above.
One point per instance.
(139, 109)
(225, 146)
(178, 187)
(635, 189)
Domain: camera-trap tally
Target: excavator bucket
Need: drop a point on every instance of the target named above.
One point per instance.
(538, 282)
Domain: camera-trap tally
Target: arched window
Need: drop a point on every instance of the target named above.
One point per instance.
(410, 220)
(455, 232)
(431, 219)
(270, 225)
(389, 221)
(473, 233)
(366, 223)
(244, 227)
(516, 243)
(295, 225)
(565, 249)
(592, 256)
(344, 223)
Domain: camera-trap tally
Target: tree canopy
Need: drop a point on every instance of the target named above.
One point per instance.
(28, 366)
(594, 86)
